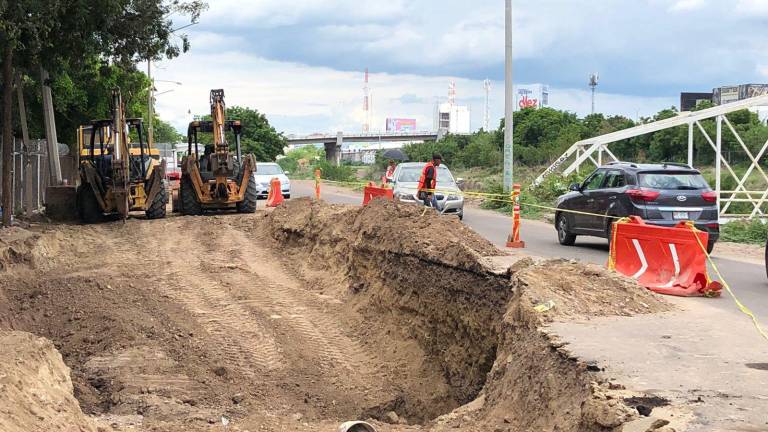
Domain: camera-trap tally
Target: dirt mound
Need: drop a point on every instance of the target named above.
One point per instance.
(424, 293)
(579, 290)
(31, 249)
(35, 389)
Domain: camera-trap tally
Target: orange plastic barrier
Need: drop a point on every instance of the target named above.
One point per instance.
(317, 184)
(513, 240)
(372, 191)
(664, 260)
(275, 196)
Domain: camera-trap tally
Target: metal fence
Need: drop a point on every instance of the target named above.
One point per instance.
(30, 173)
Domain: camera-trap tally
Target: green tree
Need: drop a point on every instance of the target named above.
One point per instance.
(56, 33)
(257, 135)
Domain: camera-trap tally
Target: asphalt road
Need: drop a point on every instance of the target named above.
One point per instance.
(748, 280)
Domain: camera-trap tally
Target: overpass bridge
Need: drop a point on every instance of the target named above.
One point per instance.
(333, 142)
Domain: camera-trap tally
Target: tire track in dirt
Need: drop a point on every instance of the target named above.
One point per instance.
(242, 341)
(302, 312)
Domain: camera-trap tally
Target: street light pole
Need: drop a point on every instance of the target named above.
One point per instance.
(150, 107)
(508, 102)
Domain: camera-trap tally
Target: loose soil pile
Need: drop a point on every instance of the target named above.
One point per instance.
(35, 389)
(305, 317)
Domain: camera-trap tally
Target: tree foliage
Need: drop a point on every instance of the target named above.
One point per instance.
(542, 135)
(258, 136)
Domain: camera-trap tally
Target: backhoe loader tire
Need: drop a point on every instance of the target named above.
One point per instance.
(190, 206)
(156, 209)
(88, 208)
(248, 204)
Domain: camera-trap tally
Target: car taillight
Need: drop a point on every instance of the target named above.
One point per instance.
(710, 196)
(643, 194)
(713, 226)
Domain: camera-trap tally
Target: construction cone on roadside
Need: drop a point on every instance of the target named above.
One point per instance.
(513, 241)
(317, 184)
(275, 196)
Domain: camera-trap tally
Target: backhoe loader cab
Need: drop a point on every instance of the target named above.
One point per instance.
(118, 176)
(216, 179)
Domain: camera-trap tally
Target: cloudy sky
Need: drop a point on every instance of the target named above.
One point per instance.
(301, 62)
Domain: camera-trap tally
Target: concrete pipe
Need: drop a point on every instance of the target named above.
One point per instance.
(356, 426)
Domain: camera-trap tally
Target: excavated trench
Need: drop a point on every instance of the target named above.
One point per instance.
(306, 316)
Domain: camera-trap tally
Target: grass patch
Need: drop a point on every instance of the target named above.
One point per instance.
(744, 231)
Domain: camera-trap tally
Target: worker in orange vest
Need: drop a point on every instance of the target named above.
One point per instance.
(388, 177)
(428, 181)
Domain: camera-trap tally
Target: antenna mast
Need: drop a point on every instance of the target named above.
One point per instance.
(593, 79)
(487, 113)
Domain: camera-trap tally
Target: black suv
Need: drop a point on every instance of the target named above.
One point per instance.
(661, 194)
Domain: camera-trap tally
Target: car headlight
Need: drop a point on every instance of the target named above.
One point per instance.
(404, 196)
(453, 197)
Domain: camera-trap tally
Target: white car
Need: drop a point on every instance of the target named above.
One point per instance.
(265, 172)
(449, 197)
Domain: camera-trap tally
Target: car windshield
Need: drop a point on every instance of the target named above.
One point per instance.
(411, 174)
(673, 181)
(268, 169)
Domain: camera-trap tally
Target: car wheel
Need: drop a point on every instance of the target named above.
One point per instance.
(287, 196)
(710, 246)
(564, 235)
(461, 216)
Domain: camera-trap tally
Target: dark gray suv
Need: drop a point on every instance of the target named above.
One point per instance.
(661, 194)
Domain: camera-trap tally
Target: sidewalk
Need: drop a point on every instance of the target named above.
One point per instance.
(691, 357)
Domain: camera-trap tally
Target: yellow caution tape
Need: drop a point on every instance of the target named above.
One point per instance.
(745, 310)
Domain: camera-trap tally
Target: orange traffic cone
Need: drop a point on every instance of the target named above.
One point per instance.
(275, 196)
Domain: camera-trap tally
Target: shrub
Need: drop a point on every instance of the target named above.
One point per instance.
(743, 231)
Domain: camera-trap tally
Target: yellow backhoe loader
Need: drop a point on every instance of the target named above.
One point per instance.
(217, 179)
(116, 175)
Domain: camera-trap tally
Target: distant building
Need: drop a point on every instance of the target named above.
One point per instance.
(689, 100)
(452, 118)
(401, 125)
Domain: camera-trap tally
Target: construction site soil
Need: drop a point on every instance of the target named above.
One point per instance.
(296, 319)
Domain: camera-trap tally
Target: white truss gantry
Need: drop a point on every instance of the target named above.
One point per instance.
(586, 151)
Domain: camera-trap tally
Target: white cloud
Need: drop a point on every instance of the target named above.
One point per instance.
(303, 99)
(276, 13)
(752, 8)
(686, 5)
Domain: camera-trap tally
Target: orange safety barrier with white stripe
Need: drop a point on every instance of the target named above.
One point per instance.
(664, 260)
(513, 240)
(275, 195)
(371, 191)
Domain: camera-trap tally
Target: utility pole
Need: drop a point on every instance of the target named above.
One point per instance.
(508, 101)
(50, 129)
(27, 156)
(150, 106)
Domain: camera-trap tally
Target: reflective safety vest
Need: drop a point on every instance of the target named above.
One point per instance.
(423, 179)
(390, 172)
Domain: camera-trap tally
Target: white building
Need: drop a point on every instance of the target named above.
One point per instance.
(452, 118)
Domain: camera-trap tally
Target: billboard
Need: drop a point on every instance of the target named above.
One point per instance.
(752, 90)
(532, 96)
(724, 95)
(401, 125)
